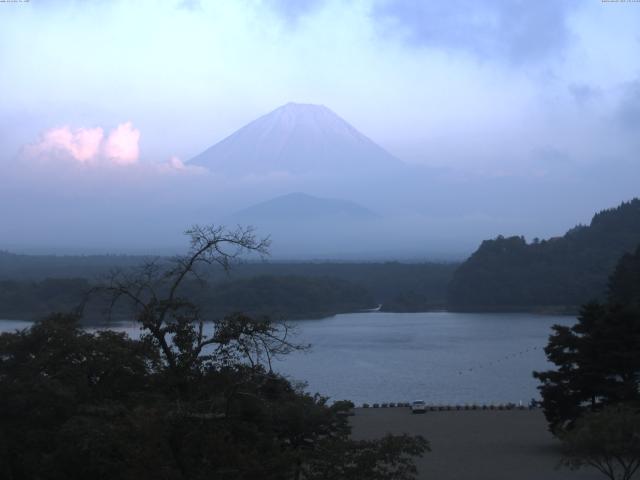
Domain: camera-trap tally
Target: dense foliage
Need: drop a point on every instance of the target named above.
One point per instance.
(598, 358)
(31, 286)
(397, 286)
(608, 440)
(286, 297)
(180, 403)
(38, 267)
(560, 273)
(78, 405)
(35, 299)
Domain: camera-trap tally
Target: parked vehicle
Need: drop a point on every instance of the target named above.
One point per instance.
(419, 406)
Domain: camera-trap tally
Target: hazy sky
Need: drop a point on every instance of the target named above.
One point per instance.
(432, 81)
(528, 89)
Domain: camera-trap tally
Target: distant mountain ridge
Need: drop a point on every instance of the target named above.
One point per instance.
(296, 207)
(296, 138)
(559, 273)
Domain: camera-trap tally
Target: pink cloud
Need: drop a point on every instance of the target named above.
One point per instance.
(81, 144)
(88, 145)
(121, 146)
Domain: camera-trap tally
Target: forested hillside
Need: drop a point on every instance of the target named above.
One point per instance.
(555, 274)
(30, 300)
(281, 297)
(38, 267)
(288, 297)
(32, 286)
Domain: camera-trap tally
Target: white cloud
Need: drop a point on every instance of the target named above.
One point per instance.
(121, 146)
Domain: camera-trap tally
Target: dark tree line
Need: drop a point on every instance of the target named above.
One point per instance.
(35, 299)
(398, 286)
(179, 403)
(592, 398)
(287, 297)
(598, 358)
(560, 273)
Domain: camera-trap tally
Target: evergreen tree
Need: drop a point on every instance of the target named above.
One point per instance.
(560, 273)
(597, 359)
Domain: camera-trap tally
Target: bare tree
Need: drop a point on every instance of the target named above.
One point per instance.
(175, 324)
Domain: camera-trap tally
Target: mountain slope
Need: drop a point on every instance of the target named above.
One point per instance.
(509, 273)
(296, 207)
(296, 138)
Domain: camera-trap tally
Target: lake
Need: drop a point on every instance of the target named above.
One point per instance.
(440, 357)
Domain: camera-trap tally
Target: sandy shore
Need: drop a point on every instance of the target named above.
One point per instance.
(475, 445)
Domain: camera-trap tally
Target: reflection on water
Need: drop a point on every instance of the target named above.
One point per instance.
(440, 357)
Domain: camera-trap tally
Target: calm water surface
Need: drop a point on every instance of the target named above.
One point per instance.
(440, 357)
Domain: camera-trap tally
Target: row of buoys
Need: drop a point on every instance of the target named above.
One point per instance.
(500, 360)
(436, 408)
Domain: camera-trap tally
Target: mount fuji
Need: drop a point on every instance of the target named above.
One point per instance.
(297, 139)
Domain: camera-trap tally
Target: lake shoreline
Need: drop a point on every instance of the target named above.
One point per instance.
(443, 358)
(558, 310)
